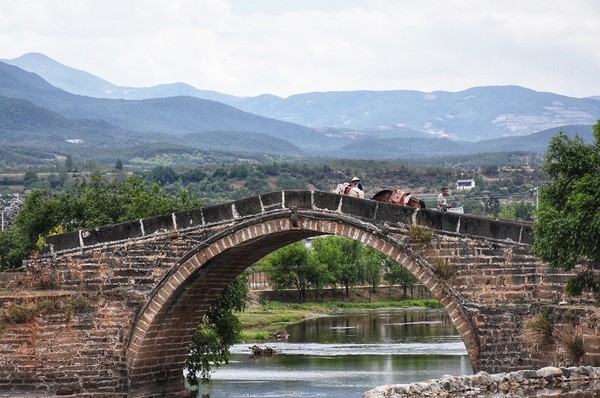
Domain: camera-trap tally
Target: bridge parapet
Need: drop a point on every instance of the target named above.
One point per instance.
(367, 210)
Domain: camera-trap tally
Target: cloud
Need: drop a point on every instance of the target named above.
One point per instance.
(285, 47)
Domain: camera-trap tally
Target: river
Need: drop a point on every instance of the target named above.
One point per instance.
(346, 355)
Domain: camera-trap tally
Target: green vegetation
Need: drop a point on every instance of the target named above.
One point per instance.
(444, 269)
(419, 234)
(572, 343)
(215, 177)
(84, 204)
(218, 331)
(567, 231)
(539, 328)
(522, 211)
(331, 261)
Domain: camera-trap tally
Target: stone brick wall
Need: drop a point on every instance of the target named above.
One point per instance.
(116, 307)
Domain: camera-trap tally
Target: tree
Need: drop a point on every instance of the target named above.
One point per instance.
(119, 165)
(517, 211)
(567, 231)
(328, 252)
(372, 266)
(163, 175)
(239, 170)
(69, 164)
(257, 183)
(349, 273)
(218, 331)
(287, 181)
(30, 179)
(289, 268)
(398, 275)
(86, 204)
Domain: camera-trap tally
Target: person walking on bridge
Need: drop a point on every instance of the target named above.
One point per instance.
(441, 200)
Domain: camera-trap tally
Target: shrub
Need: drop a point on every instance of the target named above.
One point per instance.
(572, 343)
(419, 234)
(443, 269)
(21, 313)
(539, 328)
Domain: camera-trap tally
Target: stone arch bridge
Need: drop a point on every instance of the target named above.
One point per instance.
(113, 309)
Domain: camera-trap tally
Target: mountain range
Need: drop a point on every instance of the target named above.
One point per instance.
(43, 101)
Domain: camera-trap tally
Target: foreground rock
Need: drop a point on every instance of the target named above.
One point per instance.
(481, 383)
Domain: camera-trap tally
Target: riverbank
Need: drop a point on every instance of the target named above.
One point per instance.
(567, 382)
(263, 322)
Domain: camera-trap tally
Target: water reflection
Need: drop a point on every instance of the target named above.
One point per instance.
(346, 355)
(390, 327)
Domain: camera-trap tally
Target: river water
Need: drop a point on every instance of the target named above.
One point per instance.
(346, 355)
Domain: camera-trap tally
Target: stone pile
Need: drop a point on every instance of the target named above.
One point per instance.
(482, 383)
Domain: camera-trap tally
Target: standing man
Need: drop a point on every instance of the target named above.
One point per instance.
(441, 200)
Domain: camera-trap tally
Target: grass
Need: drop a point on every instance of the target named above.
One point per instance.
(419, 234)
(572, 343)
(444, 270)
(259, 323)
(539, 328)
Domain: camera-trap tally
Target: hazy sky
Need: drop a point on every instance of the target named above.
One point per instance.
(284, 47)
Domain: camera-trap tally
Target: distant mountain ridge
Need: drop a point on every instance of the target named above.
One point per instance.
(173, 115)
(475, 114)
(80, 82)
(36, 114)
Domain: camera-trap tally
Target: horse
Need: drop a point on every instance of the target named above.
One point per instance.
(399, 198)
(349, 190)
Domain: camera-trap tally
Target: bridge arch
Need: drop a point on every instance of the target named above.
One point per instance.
(164, 327)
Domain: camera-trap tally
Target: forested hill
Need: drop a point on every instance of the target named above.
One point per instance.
(173, 115)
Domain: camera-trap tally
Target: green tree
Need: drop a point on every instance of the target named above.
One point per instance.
(350, 272)
(287, 181)
(567, 231)
(69, 164)
(257, 183)
(162, 175)
(398, 275)
(119, 165)
(239, 170)
(87, 204)
(289, 268)
(328, 251)
(522, 211)
(372, 265)
(30, 179)
(218, 331)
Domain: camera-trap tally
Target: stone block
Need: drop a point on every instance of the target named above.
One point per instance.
(394, 214)
(298, 199)
(216, 214)
(117, 232)
(60, 242)
(326, 200)
(248, 206)
(359, 207)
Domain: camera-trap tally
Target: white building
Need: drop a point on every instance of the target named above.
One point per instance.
(465, 184)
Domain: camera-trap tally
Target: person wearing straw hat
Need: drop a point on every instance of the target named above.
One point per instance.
(355, 181)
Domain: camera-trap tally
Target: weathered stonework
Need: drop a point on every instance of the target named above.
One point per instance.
(122, 302)
(548, 380)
